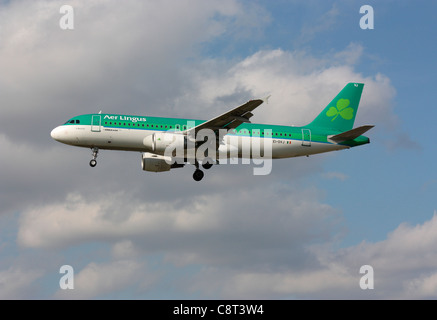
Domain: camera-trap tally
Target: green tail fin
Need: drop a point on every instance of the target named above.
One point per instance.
(340, 114)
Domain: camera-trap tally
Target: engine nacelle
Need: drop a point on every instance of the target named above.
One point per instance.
(155, 163)
(159, 142)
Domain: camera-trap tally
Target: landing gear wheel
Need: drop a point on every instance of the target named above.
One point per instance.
(207, 163)
(198, 175)
(93, 161)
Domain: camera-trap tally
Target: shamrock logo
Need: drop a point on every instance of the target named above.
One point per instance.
(342, 109)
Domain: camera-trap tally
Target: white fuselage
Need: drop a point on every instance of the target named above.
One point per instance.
(232, 145)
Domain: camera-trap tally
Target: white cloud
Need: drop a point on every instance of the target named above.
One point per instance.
(415, 242)
(422, 287)
(251, 254)
(350, 55)
(15, 282)
(188, 226)
(27, 173)
(124, 249)
(235, 265)
(124, 66)
(404, 268)
(119, 55)
(215, 230)
(301, 86)
(335, 175)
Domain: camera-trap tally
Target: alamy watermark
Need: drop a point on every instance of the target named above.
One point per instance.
(367, 281)
(222, 146)
(67, 280)
(67, 20)
(367, 20)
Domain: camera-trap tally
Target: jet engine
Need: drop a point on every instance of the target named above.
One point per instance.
(159, 142)
(155, 163)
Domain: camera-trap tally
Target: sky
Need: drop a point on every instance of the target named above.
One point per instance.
(301, 232)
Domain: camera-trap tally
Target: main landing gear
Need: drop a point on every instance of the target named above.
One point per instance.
(198, 175)
(206, 164)
(93, 161)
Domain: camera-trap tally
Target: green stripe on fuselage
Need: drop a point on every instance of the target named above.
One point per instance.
(168, 124)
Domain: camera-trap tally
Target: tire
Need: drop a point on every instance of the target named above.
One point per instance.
(206, 165)
(198, 175)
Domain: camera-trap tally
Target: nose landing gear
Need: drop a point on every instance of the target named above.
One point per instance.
(93, 161)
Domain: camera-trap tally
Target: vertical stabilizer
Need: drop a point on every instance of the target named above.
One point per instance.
(339, 115)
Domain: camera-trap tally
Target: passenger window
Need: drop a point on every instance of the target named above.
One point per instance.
(77, 121)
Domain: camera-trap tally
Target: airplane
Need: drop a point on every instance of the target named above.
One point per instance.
(331, 130)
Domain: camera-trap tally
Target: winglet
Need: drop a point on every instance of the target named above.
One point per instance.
(266, 99)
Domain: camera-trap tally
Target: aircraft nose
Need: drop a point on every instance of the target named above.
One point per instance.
(56, 133)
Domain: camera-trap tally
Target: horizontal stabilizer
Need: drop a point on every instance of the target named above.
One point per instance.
(351, 134)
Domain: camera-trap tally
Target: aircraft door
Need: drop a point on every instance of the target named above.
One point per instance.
(96, 122)
(306, 137)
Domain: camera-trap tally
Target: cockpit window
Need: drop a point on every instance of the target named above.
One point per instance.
(72, 122)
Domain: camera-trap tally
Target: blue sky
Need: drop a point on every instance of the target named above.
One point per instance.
(301, 232)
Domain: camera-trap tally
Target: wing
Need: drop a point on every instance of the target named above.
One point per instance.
(230, 119)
